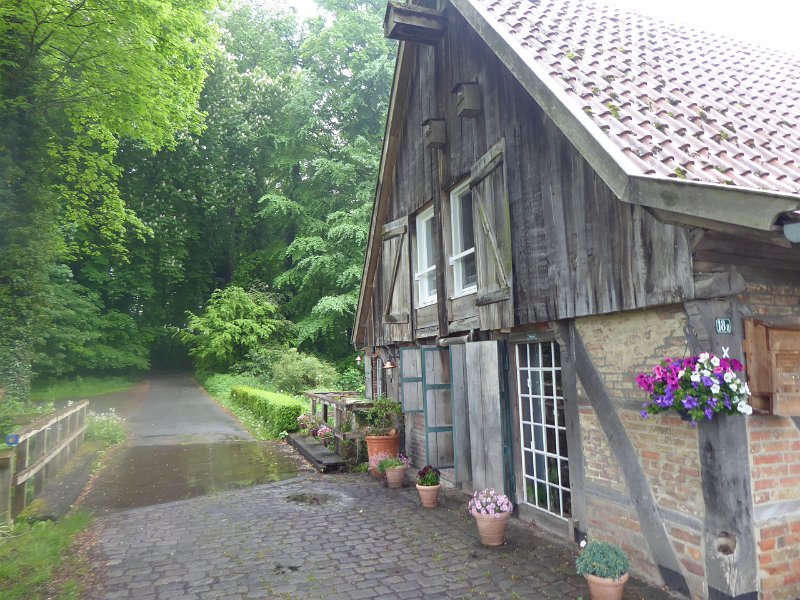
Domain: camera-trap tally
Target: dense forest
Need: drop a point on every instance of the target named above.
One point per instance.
(183, 175)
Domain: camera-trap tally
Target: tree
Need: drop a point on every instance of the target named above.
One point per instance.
(77, 77)
(234, 324)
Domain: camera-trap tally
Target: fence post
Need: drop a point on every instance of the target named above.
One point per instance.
(20, 496)
(6, 474)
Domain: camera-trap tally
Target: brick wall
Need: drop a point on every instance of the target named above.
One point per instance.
(775, 456)
(775, 459)
(415, 438)
(622, 346)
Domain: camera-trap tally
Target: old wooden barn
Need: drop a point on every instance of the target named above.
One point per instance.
(568, 193)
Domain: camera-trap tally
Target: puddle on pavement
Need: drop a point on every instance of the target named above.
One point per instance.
(146, 475)
(310, 499)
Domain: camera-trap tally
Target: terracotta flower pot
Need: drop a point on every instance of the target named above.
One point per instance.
(601, 588)
(396, 477)
(492, 528)
(382, 443)
(429, 494)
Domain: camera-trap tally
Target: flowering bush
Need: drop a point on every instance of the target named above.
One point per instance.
(304, 422)
(393, 461)
(428, 476)
(376, 460)
(699, 386)
(324, 431)
(489, 502)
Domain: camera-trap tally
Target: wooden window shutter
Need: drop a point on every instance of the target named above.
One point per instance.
(396, 293)
(773, 367)
(484, 380)
(495, 298)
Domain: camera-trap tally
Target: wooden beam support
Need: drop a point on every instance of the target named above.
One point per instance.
(410, 23)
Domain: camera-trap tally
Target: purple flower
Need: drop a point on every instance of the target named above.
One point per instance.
(707, 381)
(644, 414)
(690, 402)
(709, 413)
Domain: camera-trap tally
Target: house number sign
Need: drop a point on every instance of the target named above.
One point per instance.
(723, 325)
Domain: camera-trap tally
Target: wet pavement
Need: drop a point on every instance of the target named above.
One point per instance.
(182, 444)
(311, 536)
(332, 537)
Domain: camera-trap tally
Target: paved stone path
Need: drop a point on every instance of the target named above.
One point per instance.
(333, 537)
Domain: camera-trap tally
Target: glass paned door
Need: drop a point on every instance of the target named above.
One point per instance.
(543, 428)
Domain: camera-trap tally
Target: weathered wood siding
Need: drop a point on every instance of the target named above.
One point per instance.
(577, 249)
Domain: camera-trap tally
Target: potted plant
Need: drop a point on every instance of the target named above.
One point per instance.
(394, 468)
(381, 427)
(428, 486)
(605, 567)
(697, 388)
(491, 510)
(375, 460)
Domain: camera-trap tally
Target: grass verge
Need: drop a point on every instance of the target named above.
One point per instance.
(82, 387)
(31, 554)
(219, 387)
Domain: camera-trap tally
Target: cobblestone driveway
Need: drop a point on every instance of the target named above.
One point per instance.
(362, 541)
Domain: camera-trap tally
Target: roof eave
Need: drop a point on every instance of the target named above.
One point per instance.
(391, 139)
(685, 202)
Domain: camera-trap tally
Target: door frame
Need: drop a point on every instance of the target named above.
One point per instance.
(575, 526)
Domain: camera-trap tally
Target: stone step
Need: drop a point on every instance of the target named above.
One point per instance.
(316, 453)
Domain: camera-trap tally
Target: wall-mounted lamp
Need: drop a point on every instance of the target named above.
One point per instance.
(359, 360)
(391, 362)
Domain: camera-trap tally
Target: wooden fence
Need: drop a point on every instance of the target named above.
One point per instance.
(42, 449)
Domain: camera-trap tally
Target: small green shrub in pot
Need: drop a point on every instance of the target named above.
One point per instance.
(381, 417)
(393, 461)
(602, 559)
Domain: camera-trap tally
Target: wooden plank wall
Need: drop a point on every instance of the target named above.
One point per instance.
(461, 440)
(485, 419)
(577, 250)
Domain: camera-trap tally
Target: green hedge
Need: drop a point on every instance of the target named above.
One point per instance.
(278, 412)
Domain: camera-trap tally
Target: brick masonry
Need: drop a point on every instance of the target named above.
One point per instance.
(622, 346)
(775, 458)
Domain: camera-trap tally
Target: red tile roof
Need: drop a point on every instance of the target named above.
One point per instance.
(679, 102)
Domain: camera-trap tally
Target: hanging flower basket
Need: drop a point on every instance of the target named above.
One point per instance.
(697, 388)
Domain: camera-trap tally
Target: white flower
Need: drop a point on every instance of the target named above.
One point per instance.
(703, 357)
(745, 389)
(744, 408)
(705, 373)
(715, 389)
(681, 373)
(695, 377)
(728, 376)
(715, 361)
(583, 543)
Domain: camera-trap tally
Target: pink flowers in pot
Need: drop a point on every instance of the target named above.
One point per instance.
(489, 502)
(698, 387)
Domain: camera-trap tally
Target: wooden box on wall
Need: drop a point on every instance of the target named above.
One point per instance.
(773, 367)
(468, 99)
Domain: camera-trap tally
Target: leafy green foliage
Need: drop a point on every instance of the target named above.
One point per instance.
(296, 372)
(31, 554)
(235, 323)
(602, 559)
(76, 78)
(381, 417)
(278, 411)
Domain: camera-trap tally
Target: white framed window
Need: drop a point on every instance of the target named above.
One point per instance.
(465, 274)
(426, 258)
(543, 428)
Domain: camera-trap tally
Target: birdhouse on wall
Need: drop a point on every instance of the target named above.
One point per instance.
(410, 23)
(468, 98)
(435, 133)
